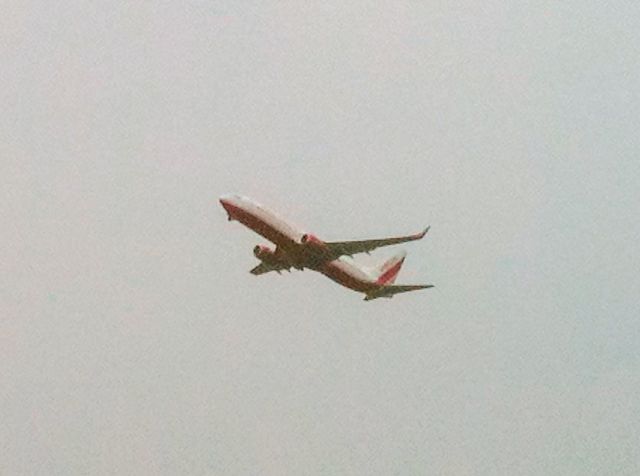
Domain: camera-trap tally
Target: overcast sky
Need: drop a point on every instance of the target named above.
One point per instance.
(133, 339)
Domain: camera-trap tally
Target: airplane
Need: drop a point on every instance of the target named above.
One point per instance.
(298, 250)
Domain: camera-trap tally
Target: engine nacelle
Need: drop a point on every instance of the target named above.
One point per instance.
(312, 240)
(264, 253)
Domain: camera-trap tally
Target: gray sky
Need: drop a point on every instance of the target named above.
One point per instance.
(133, 340)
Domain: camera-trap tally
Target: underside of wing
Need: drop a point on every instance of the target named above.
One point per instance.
(265, 268)
(339, 248)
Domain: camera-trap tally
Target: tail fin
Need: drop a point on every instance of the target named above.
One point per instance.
(389, 270)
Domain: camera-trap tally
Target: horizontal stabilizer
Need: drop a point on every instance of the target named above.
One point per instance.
(389, 291)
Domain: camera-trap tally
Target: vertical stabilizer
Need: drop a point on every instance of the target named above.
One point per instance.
(389, 270)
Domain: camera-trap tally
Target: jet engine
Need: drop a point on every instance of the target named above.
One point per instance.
(264, 253)
(312, 240)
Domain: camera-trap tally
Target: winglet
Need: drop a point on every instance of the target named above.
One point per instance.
(424, 232)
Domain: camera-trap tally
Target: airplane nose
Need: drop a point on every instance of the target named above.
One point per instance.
(229, 203)
(226, 200)
(226, 204)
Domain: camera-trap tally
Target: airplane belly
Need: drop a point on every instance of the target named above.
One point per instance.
(265, 224)
(278, 225)
(346, 275)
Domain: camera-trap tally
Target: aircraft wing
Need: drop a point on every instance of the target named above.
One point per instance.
(389, 291)
(339, 248)
(265, 268)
